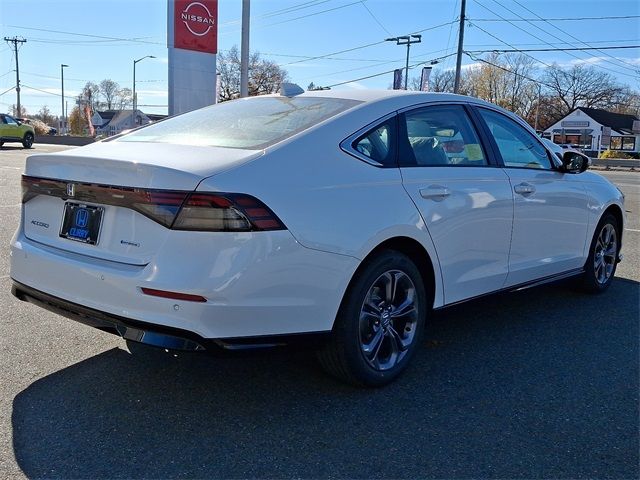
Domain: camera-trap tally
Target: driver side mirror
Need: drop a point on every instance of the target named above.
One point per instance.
(574, 162)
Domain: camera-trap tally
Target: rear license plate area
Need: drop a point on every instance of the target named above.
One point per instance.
(81, 223)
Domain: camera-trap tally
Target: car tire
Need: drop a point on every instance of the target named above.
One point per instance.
(27, 141)
(603, 255)
(1, 144)
(380, 322)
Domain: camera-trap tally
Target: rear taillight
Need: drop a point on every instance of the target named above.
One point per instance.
(225, 212)
(178, 210)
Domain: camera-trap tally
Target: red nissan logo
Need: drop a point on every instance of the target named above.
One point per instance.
(197, 18)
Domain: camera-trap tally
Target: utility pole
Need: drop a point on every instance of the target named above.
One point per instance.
(62, 123)
(16, 41)
(244, 49)
(460, 46)
(538, 107)
(406, 40)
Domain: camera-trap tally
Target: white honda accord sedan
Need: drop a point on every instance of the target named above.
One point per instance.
(342, 216)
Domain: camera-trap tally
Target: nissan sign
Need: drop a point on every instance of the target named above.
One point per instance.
(196, 25)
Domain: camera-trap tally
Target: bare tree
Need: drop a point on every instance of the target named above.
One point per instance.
(123, 99)
(442, 80)
(581, 86)
(265, 76)
(109, 91)
(45, 116)
(90, 96)
(18, 114)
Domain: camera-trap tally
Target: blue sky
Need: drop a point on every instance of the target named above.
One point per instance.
(292, 33)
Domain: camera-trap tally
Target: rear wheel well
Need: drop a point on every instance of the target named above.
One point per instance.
(416, 253)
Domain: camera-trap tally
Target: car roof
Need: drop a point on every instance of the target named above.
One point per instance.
(373, 95)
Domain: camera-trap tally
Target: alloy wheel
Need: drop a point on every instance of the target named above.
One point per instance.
(604, 255)
(388, 320)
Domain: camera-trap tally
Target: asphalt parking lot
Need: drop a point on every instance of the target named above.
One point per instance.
(536, 384)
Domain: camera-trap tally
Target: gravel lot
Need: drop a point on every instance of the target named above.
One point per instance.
(538, 384)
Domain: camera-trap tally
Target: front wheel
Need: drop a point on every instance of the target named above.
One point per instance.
(603, 256)
(27, 141)
(380, 322)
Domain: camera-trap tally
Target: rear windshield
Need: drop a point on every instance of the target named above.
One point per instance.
(248, 123)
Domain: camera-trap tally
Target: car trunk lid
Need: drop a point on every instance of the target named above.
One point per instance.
(124, 195)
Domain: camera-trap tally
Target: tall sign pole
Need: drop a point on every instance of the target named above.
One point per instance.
(405, 40)
(456, 86)
(192, 39)
(244, 49)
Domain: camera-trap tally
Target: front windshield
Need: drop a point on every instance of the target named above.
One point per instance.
(247, 123)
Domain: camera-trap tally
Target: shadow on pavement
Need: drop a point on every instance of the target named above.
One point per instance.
(540, 383)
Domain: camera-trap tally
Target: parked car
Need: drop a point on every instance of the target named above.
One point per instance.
(12, 130)
(571, 146)
(39, 126)
(341, 216)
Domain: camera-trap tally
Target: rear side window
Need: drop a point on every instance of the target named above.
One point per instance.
(440, 136)
(517, 146)
(378, 144)
(253, 123)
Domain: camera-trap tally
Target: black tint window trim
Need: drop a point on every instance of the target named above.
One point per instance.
(486, 132)
(405, 151)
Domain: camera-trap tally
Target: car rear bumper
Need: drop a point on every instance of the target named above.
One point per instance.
(256, 286)
(156, 335)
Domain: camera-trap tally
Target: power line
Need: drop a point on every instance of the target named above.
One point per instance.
(134, 40)
(376, 18)
(509, 45)
(475, 59)
(300, 17)
(360, 47)
(553, 43)
(555, 49)
(562, 19)
(389, 71)
(543, 31)
(373, 66)
(620, 62)
(282, 11)
(48, 93)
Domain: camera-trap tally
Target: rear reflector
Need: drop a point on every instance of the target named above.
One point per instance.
(173, 295)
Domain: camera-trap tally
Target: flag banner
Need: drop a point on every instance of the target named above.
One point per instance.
(397, 79)
(424, 79)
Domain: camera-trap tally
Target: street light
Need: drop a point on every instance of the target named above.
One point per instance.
(62, 115)
(135, 103)
(406, 40)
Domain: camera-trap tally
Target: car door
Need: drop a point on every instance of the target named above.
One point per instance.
(465, 200)
(3, 126)
(550, 207)
(10, 128)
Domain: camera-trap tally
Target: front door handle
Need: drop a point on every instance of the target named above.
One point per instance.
(524, 188)
(435, 192)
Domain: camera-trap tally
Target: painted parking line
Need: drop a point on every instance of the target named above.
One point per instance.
(632, 230)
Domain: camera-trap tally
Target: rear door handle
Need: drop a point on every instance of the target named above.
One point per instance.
(435, 192)
(524, 189)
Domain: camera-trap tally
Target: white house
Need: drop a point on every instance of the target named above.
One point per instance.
(112, 122)
(585, 127)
